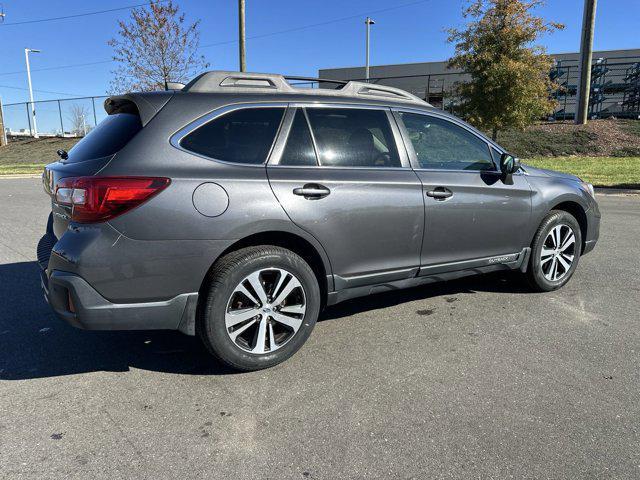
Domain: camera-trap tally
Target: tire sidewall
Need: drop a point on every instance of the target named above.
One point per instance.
(214, 314)
(552, 220)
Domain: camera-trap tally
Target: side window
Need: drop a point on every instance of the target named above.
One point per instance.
(241, 136)
(299, 148)
(349, 137)
(441, 144)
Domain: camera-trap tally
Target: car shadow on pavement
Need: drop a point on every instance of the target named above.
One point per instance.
(498, 282)
(34, 343)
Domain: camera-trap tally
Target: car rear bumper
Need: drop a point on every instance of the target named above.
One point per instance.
(76, 302)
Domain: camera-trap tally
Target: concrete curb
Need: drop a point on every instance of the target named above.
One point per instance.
(20, 175)
(616, 191)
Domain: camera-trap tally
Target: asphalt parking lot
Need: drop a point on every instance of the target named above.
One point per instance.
(470, 379)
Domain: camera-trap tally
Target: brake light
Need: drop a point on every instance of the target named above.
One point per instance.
(98, 199)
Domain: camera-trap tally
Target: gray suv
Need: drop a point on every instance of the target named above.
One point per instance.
(239, 206)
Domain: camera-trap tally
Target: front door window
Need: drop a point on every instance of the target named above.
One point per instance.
(443, 145)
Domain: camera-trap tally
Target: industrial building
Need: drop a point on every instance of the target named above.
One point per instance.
(615, 82)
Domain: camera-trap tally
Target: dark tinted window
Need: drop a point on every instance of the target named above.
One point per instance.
(241, 136)
(107, 138)
(299, 149)
(442, 144)
(496, 155)
(349, 137)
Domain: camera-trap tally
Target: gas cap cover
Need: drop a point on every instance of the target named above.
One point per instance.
(210, 199)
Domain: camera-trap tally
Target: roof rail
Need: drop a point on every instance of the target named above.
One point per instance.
(242, 82)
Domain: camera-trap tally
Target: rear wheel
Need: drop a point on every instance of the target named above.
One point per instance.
(261, 306)
(555, 251)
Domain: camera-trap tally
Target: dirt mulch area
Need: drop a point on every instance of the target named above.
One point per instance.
(34, 150)
(610, 137)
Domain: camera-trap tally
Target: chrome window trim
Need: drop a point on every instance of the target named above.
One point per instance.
(326, 167)
(409, 145)
(274, 160)
(496, 172)
(363, 106)
(179, 135)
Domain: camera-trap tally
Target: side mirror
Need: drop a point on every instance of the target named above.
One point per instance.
(509, 164)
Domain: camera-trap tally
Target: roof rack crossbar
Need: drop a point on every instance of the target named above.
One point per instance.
(314, 79)
(243, 82)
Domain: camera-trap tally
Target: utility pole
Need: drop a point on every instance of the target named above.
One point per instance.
(241, 39)
(586, 51)
(368, 22)
(33, 106)
(3, 131)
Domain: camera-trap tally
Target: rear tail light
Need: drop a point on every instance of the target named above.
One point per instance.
(98, 199)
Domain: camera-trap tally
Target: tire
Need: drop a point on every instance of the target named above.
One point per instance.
(272, 294)
(540, 272)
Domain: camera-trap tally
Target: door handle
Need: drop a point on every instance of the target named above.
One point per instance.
(440, 193)
(312, 191)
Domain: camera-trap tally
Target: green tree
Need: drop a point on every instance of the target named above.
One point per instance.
(154, 47)
(510, 84)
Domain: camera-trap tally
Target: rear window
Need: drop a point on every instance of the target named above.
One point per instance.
(240, 136)
(113, 133)
(350, 137)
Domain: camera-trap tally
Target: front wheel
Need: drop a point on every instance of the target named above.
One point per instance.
(555, 251)
(261, 306)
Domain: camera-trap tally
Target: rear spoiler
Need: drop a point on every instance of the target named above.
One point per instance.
(146, 105)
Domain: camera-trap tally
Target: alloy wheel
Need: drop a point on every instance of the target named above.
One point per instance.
(265, 310)
(558, 252)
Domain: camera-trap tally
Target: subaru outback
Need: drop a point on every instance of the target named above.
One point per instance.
(237, 207)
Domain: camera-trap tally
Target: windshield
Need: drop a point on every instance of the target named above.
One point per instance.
(113, 133)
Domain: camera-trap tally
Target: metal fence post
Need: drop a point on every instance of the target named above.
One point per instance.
(566, 94)
(93, 104)
(61, 125)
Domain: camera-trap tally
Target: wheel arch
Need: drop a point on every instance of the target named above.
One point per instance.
(314, 255)
(579, 213)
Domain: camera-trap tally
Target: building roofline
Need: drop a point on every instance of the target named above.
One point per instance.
(446, 60)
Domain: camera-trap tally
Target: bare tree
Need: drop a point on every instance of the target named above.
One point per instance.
(79, 115)
(155, 46)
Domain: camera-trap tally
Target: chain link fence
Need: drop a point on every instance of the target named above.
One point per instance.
(73, 117)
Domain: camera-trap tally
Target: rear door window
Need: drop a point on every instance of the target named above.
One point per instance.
(113, 133)
(352, 137)
(240, 136)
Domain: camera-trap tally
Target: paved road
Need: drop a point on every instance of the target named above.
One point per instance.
(469, 379)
